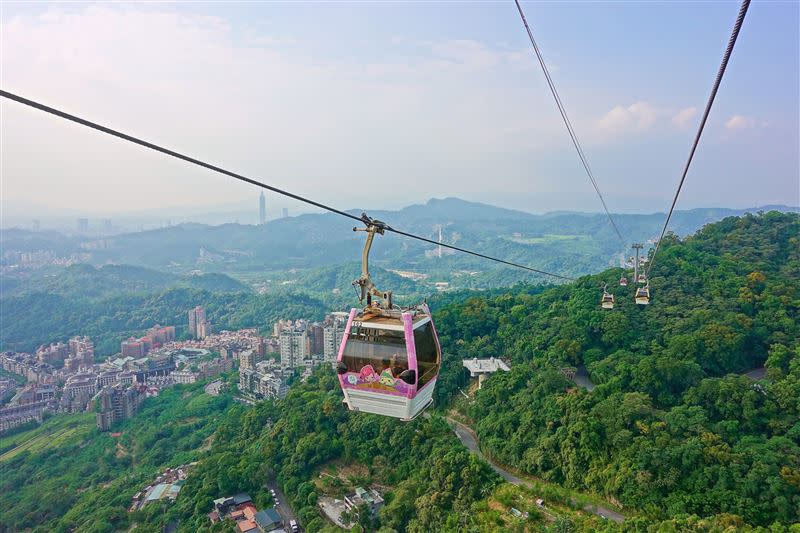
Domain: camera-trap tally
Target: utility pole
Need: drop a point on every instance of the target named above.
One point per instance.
(637, 247)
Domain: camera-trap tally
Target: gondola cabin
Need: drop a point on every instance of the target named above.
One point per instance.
(643, 295)
(642, 278)
(608, 301)
(623, 281)
(388, 362)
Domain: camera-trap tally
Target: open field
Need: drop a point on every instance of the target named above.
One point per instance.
(52, 433)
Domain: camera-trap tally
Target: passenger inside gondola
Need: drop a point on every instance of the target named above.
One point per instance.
(381, 350)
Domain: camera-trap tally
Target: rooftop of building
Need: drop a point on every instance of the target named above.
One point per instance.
(491, 364)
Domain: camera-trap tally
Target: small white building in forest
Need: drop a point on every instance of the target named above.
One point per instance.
(480, 368)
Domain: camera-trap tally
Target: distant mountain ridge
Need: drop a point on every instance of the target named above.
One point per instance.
(86, 281)
(568, 243)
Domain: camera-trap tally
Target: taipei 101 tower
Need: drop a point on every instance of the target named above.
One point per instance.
(262, 209)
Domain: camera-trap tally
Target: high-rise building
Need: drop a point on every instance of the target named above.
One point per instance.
(52, 353)
(107, 227)
(116, 403)
(261, 348)
(248, 359)
(285, 212)
(83, 225)
(198, 325)
(203, 329)
(161, 335)
(81, 353)
(333, 334)
(294, 347)
(135, 347)
(316, 339)
(262, 209)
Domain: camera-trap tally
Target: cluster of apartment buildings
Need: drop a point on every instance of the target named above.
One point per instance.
(300, 340)
(155, 337)
(262, 379)
(26, 365)
(300, 344)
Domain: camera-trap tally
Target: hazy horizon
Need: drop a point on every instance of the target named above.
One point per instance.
(240, 214)
(390, 104)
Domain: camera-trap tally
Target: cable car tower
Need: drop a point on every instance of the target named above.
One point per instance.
(636, 278)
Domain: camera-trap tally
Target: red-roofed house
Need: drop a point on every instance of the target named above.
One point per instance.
(249, 511)
(245, 526)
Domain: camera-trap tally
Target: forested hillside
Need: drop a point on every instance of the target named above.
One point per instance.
(68, 476)
(672, 428)
(673, 431)
(32, 319)
(85, 281)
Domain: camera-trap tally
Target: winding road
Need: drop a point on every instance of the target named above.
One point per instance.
(470, 440)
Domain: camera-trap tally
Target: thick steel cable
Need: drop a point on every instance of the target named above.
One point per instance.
(192, 160)
(720, 73)
(562, 110)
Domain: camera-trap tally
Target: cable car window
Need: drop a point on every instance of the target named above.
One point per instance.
(379, 348)
(427, 354)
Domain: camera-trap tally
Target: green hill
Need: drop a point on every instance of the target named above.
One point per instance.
(672, 431)
(672, 428)
(35, 318)
(86, 281)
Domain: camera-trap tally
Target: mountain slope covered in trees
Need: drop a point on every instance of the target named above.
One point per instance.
(671, 429)
(35, 318)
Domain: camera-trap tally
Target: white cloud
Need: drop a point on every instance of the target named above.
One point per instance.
(260, 104)
(738, 122)
(636, 117)
(684, 116)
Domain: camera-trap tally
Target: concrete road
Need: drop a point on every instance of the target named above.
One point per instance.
(284, 509)
(213, 388)
(470, 440)
(757, 373)
(582, 378)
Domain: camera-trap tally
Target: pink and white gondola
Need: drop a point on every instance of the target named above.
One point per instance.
(389, 357)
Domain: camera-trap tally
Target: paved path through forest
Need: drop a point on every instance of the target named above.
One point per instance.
(469, 439)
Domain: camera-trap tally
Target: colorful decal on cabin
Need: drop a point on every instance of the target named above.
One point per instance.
(368, 379)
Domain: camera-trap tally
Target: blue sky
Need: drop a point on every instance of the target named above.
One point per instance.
(384, 104)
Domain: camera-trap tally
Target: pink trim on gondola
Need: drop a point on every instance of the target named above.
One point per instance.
(353, 312)
(438, 347)
(411, 350)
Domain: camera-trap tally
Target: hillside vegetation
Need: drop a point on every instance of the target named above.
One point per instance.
(672, 432)
(672, 429)
(32, 319)
(66, 474)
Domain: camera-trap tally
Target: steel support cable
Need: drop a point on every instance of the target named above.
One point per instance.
(720, 73)
(562, 110)
(214, 168)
